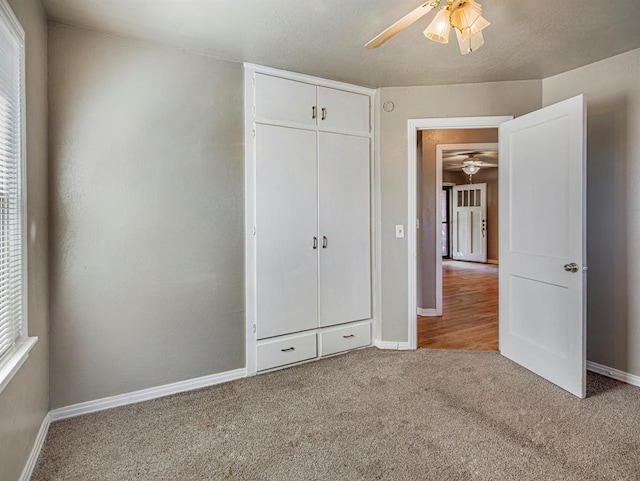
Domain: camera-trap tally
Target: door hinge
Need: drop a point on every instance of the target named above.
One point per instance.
(254, 328)
(254, 133)
(253, 81)
(254, 230)
(417, 223)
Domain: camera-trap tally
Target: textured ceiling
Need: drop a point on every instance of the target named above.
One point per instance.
(528, 39)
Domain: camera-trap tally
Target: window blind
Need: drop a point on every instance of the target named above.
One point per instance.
(11, 255)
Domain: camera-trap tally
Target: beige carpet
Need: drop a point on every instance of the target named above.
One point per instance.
(367, 415)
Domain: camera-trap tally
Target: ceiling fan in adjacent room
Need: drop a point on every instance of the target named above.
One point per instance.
(465, 16)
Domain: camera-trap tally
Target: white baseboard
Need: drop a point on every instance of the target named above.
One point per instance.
(398, 346)
(492, 261)
(427, 312)
(613, 373)
(145, 394)
(35, 451)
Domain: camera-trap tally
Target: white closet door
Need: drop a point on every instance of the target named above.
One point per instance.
(285, 100)
(286, 225)
(343, 111)
(345, 254)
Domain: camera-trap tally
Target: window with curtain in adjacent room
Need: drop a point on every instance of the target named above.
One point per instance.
(14, 343)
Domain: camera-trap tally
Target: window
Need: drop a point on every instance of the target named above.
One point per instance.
(14, 344)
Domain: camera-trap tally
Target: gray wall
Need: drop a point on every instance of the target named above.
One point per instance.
(25, 400)
(612, 90)
(426, 242)
(146, 149)
(498, 98)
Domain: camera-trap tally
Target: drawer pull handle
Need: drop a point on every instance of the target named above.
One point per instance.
(324, 114)
(288, 349)
(350, 335)
(313, 112)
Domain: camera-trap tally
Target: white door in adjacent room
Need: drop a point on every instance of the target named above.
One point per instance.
(542, 243)
(469, 223)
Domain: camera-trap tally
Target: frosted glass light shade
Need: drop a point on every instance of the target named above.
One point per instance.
(470, 169)
(439, 28)
(466, 14)
(471, 44)
(480, 24)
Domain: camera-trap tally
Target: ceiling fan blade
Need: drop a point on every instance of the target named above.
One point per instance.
(403, 23)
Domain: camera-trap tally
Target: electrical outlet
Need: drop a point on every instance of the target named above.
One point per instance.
(399, 231)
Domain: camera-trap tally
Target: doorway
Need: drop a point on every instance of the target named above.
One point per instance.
(467, 253)
(431, 279)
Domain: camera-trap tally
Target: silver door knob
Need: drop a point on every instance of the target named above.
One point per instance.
(573, 267)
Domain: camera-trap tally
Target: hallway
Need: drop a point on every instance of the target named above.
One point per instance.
(469, 307)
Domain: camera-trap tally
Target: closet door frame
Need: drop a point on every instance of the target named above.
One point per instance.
(250, 71)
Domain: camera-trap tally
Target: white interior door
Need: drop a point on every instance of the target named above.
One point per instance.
(286, 230)
(542, 243)
(345, 253)
(469, 223)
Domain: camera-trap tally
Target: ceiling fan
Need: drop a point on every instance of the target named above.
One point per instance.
(469, 162)
(465, 16)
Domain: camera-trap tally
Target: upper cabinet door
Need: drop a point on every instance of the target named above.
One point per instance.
(343, 111)
(283, 100)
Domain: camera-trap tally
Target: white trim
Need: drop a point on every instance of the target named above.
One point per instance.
(14, 358)
(440, 150)
(12, 22)
(397, 346)
(493, 261)
(250, 223)
(428, 312)
(145, 394)
(413, 125)
(309, 79)
(32, 460)
(376, 223)
(613, 373)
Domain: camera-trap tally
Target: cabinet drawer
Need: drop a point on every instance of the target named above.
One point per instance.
(279, 352)
(344, 338)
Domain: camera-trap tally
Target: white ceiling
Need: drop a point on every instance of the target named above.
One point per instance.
(528, 39)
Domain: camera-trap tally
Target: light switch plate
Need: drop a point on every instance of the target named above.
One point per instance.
(399, 231)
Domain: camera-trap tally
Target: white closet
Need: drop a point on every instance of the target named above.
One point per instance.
(308, 217)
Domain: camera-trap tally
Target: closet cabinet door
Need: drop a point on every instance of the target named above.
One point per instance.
(283, 100)
(345, 237)
(286, 224)
(343, 111)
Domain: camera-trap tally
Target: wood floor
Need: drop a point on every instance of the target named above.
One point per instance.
(469, 308)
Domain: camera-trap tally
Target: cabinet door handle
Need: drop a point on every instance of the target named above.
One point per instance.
(349, 336)
(288, 349)
(315, 242)
(324, 113)
(313, 112)
(325, 242)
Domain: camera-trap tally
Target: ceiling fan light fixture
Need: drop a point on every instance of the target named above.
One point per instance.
(470, 169)
(471, 44)
(439, 28)
(480, 24)
(464, 13)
